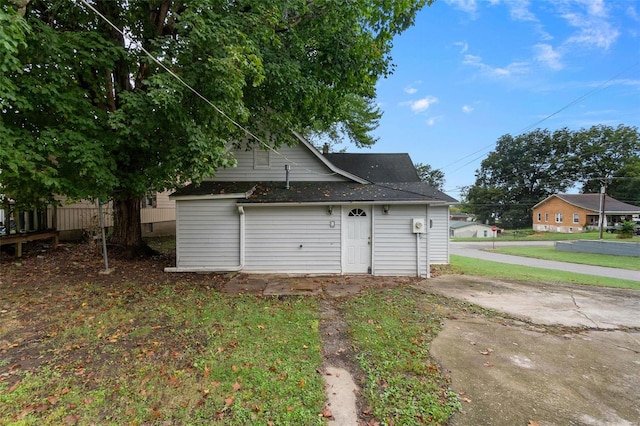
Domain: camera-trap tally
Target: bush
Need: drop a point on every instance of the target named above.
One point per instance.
(627, 229)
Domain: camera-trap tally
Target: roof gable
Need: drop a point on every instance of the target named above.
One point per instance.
(302, 161)
(377, 167)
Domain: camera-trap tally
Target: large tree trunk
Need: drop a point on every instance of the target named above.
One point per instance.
(127, 229)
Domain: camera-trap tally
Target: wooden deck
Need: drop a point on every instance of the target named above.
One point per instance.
(20, 238)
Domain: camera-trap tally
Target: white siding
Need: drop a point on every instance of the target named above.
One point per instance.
(304, 167)
(395, 247)
(438, 234)
(208, 234)
(292, 239)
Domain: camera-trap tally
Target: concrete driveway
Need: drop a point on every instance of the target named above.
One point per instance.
(541, 370)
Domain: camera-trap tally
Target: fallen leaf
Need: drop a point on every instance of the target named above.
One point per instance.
(488, 351)
(301, 383)
(326, 412)
(229, 401)
(237, 386)
(465, 400)
(488, 364)
(533, 423)
(72, 419)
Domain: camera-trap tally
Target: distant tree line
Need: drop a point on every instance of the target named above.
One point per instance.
(525, 169)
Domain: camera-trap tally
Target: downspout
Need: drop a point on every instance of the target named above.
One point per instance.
(418, 255)
(242, 242)
(428, 236)
(287, 168)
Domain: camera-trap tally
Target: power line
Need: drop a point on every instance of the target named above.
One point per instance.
(198, 94)
(598, 88)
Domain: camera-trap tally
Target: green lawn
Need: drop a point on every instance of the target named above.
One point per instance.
(550, 253)
(471, 266)
(529, 235)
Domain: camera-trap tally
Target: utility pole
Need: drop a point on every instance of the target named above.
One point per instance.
(603, 216)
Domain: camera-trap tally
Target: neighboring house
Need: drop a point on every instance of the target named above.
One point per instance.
(297, 211)
(460, 229)
(74, 220)
(157, 216)
(569, 213)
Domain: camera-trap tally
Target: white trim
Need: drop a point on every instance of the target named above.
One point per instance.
(428, 237)
(241, 237)
(202, 269)
(211, 196)
(342, 203)
(326, 162)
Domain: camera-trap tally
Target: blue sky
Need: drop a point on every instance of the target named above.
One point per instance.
(470, 71)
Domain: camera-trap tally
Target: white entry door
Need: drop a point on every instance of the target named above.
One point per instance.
(358, 242)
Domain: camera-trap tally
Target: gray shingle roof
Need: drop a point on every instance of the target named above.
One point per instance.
(376, 167)
(215, 188)
(592, 202)
(314, 192)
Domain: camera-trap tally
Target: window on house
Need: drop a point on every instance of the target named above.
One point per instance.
(576, 217)
(546, 217)
(539, 217)
(357, 212)
(150, 201)
(261, 159)
(558, 217)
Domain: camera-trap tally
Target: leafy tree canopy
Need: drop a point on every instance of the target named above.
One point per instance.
(525, 169)
(435, 177)
(86, 113)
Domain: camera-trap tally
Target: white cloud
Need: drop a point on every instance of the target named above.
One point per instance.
(548, 56)
(464, 46)
(467, 109)
(513, 69)
(633, 13)
(590, 18)
(423, 104)
(410, 90)
(469, 6)
(519, 10)
(431, 121)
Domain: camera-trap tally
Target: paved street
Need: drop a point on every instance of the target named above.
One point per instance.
(479, 250)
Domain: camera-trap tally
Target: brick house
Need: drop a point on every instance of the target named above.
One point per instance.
(571, 213)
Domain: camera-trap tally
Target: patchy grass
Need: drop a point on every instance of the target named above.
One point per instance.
(392, 331)
(142, 347)
(172, 354)
(471, 266)
(550, 253)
